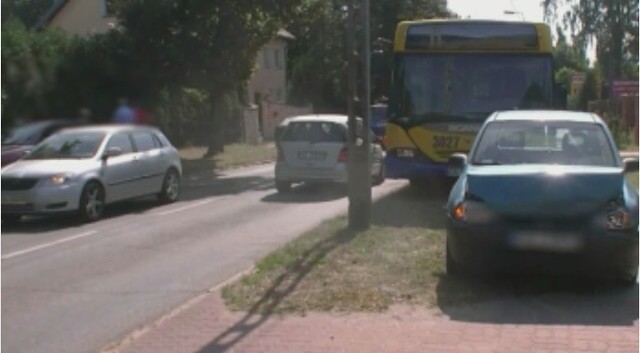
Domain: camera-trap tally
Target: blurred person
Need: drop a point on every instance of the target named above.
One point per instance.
(142, 116)
(124, 114)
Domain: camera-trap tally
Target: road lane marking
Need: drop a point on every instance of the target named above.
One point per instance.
(47, 245)
(184, 208)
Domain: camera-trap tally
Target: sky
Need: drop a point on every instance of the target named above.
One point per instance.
(494, 9)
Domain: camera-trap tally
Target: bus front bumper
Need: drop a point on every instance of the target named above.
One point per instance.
(402, 168)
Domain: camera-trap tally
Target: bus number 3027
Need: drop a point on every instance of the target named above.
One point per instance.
(445, 142)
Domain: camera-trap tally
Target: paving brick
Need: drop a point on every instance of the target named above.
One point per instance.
(208, 327)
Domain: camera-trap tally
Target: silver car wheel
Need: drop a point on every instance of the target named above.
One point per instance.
(92, 202)
(170, 187)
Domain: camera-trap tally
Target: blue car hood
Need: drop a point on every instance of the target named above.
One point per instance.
(543, 190)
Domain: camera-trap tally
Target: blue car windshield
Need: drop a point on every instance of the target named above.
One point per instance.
(68, 145)
(544, 142)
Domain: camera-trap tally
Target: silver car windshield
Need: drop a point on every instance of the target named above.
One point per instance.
(546, 142)
(68, 145)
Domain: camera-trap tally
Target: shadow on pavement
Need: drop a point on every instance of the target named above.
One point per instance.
(191, 191)
(304, 193)
(537, 299)
(283, 285)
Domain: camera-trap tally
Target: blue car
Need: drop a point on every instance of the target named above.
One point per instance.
(543, 191)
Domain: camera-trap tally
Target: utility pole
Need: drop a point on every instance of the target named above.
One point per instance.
(359, 96)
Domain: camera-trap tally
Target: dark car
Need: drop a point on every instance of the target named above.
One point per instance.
(543, 191)
(21, 139)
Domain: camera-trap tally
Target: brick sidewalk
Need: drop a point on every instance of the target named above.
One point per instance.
(206, 326)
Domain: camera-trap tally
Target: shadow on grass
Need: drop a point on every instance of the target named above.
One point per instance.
(411, 207)
(538, 299)
(282, 286)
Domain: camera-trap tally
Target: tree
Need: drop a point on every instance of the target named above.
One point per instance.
(317, 57)
(568, 59)
(29, 12)
(611, 24)
(30, 63)
(205, 44)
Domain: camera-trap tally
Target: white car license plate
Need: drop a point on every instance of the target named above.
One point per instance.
(546, 241)
(311, 155)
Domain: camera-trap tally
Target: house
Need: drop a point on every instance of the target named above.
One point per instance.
(80, 17)
(269, 81)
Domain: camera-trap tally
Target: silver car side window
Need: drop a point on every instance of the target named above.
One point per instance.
(122, 141)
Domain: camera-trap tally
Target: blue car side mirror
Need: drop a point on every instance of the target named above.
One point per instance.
(457, 163)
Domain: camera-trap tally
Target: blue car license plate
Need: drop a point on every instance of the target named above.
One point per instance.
(559, 242)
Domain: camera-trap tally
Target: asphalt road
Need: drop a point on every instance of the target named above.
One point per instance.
(71, 287)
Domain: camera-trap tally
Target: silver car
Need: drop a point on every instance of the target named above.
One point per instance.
(313, 148)
(83, 169)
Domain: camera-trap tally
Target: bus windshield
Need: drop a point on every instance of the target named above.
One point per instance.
(468, 86)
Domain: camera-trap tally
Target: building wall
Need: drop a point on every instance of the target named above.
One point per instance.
(274, 113)
(270, 78)
(83, 17)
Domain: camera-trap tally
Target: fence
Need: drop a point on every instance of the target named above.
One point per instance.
(620, 114)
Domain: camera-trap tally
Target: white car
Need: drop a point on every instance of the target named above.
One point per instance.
(83, 169)
(313, 148)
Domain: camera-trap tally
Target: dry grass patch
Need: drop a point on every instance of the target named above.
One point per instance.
(332, 268)
(234, 155)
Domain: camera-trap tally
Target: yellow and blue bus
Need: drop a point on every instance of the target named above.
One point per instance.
(448, 76)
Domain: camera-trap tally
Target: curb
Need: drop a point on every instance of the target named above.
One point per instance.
(137, 333)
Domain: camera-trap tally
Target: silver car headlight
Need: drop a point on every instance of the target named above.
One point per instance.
(60, 179)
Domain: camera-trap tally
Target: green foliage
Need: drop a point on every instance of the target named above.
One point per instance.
(613, 25)
(207, 45)
(29, 12)
(30, 63)
(588, 92)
